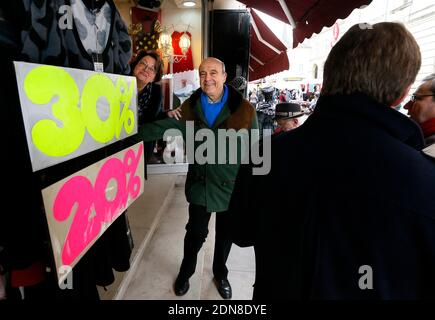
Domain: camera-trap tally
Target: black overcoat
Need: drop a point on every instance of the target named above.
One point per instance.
(347, 210)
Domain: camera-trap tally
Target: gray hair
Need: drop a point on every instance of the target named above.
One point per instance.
(218, 60)
(430, 78)
(223, 66)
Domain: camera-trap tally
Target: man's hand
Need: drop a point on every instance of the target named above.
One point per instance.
(176, 113)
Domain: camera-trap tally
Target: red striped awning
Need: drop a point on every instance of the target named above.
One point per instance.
(307, 16)
(268, 55)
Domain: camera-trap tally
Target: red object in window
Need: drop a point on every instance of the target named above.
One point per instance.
(30, 276)
(144, 17)
(185, 64)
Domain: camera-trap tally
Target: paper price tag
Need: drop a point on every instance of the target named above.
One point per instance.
(98, 67)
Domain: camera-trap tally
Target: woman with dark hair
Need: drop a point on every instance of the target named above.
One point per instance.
(147, 67)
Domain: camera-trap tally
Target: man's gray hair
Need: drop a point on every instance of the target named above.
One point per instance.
(223, 66)
(430, 78)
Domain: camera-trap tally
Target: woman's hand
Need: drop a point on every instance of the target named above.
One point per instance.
(176, 113)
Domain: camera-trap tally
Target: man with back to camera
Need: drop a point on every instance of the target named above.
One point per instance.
(365, 229)
(208, 186)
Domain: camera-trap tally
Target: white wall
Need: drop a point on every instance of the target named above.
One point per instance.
(417, 15)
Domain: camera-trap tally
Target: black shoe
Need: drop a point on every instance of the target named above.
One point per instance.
(224, 288)
(181, 287)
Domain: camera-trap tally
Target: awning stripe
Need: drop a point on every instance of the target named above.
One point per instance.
(307, 16)
(268, 55)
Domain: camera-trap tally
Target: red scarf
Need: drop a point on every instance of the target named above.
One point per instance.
(277, 131)
(428, 127)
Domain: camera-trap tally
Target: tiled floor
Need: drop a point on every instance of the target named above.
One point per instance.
(153, 275)
(143, 218)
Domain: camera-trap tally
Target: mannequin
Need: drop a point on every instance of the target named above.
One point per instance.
(93, 17)
(27, 249)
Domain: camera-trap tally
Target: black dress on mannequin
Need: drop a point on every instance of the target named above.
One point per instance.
(24, 235)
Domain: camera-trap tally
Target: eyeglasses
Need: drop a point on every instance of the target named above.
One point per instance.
(147, 67)
(416, 97)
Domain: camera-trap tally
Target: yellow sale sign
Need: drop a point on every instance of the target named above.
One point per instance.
(69, 112)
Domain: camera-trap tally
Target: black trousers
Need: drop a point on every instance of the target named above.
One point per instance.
(196, 234)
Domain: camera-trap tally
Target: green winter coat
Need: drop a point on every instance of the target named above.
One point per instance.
(210, 184)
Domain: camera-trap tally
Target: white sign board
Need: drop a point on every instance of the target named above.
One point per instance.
(70, 112)
(81, 207)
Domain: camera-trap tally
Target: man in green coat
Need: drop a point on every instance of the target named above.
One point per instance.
(213, 109)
